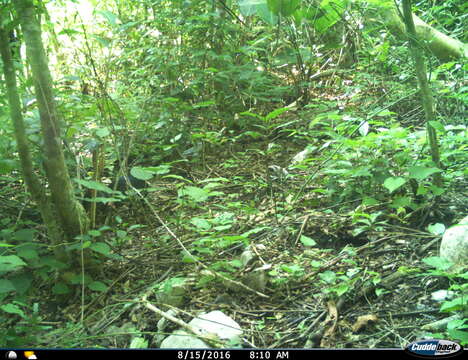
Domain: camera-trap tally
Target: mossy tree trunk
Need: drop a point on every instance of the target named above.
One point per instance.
(63, 215)
(33, 184)
(426, 94)
(437, 43)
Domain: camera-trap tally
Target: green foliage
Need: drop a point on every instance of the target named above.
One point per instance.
(168, 89)
(457, 303)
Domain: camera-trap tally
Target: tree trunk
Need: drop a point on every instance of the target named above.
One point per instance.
(33, 184)
(442, 46)
(427, 100)
(70, 212)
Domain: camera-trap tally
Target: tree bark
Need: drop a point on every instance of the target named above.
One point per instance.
(427, 99)
(442, 46)
(70, 212)
(33, 184)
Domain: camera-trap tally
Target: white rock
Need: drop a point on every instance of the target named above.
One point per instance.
(214, 322)
(182, 340)
(454, 245)
(218, 323)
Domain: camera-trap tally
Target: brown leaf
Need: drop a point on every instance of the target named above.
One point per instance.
(363, 321)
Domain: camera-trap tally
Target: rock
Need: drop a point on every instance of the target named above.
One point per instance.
(215, 322)
(182, 340)
(218, 323)
(454, 245)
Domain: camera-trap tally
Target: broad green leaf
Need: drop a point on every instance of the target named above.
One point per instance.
(28, 252)
(340, 289)
(98, 286)
(22, 282)
(102, 132)
(159, 170)
(437, 125)
(201, 224)
(456, 304)
(283, 7)
(197, 194)
(141, 173)
(94, 185)
(12, 260)
(188, 258)
(393, 183)
(101, 248)
(6, 286)
(60, 289)
(13, 309)
(307, 241)
(138, 343)
(24, 235)
(328, 276)
(421, 172)
(437, 262)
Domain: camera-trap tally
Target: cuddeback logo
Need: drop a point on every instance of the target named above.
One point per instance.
(434, 348)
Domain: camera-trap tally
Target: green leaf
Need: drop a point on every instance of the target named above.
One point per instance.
(393, 183)
(6, 286)
(275, 113)
(380, 292)
(102, 132)
(437, 125)
(421, 172)
(340, 289)
(22, 282)
(94, 185)
(141, 173)
(98, 286)
(283, 7)
(459, 335)
(110, 17)
(437, 262)
(328, 276)
(101, 247)
(6, 245)
(197, 194)
(13, 309)
(292, 269)
(60, 289)
(159, 170)
(454, 305)
(188, 258)
(307, 241)
(105, 42)
(28, 252)
(11, 260)
(201, 224)
(138, 343)
(436, 229)
(24, 235)
(7, 166)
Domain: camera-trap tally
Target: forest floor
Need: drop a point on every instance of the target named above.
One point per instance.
(346, 291)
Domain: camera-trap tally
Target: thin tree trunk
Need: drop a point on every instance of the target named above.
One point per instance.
(426, 95)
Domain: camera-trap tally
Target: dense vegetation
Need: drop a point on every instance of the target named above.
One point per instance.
(291, 163)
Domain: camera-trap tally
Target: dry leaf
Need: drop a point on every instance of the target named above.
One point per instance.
(363, 321)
